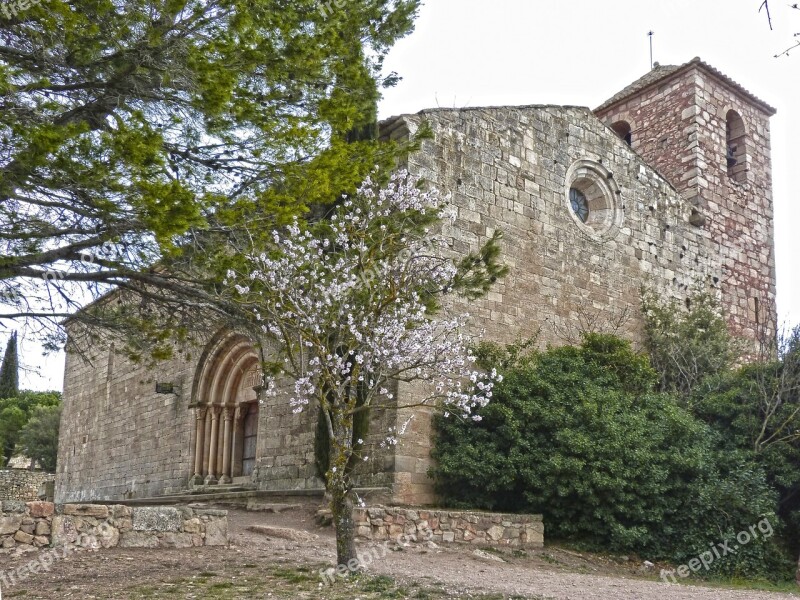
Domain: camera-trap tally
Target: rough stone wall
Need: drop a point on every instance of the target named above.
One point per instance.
(661, 126)
(286, 448)
(679, 126)
(449, 527)
(119, 438)
(24, 527)
(411, 484)
(508, 169)
(21, 484)
(285, 455)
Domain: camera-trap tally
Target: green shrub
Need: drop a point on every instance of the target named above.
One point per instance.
(14, 414)
(756, 411)
(687, 344)
(579, 435)
(39, 438)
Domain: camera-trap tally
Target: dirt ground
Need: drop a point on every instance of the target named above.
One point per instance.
(265, 566)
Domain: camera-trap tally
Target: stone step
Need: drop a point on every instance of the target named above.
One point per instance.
(266, 500)
(212, 489)
(285, 533)
(237, 498)
(216, 489)
(256, 505)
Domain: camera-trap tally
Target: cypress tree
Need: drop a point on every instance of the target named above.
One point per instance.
(9, 371)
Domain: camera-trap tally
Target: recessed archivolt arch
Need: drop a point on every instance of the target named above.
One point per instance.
(226, 371)
(227, 350)
(225, 400)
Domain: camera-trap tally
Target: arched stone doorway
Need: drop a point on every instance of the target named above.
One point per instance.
(226, 411)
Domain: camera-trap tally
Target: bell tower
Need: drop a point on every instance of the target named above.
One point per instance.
(709, 137)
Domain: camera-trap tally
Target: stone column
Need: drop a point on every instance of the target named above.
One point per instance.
(238, 441)
(212, 455)
(199, 434)
(227, 413)
(220, 445)
(206, 441)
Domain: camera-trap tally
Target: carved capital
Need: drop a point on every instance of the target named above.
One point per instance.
(200, 413)
(227, 413)
(215, 410)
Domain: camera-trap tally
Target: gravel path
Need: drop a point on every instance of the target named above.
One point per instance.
(268, 541)
(460, 570)
(469, 573)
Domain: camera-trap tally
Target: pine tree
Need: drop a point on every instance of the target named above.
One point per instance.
(140, 132)
(9, 371)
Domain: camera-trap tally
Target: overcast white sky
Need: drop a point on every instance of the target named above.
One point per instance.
(581, 52)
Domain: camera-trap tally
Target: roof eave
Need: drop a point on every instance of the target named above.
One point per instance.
(695, 63)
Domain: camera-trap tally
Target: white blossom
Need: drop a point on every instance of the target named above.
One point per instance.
(341, 286)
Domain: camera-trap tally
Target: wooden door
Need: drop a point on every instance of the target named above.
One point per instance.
(250, 437)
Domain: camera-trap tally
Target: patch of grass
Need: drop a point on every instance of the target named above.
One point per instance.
(546, 557)
(222, 586)
(743, 584)
(296, 575)
(381, 583)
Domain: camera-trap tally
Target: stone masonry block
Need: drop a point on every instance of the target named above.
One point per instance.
(10, 525)
(41, 509)
(147, 518)
(99, 511)
(217, 532)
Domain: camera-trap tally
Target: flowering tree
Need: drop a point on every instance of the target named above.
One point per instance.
(352, 301)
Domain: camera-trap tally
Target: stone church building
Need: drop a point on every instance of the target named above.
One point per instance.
(666, 185)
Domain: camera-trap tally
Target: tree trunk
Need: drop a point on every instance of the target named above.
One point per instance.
(797, 573)
(342, 510)
(341, 449)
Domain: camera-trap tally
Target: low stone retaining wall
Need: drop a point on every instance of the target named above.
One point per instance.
(24, 527)
(21, 484)
(449, 527)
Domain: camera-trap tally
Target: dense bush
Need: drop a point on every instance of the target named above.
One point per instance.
(754, 408)
(688, 345)
(756, 411)
(38, 440)
(580, 435)
(14, 415)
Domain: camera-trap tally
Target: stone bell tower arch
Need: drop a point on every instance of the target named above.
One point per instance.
(225, 400)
